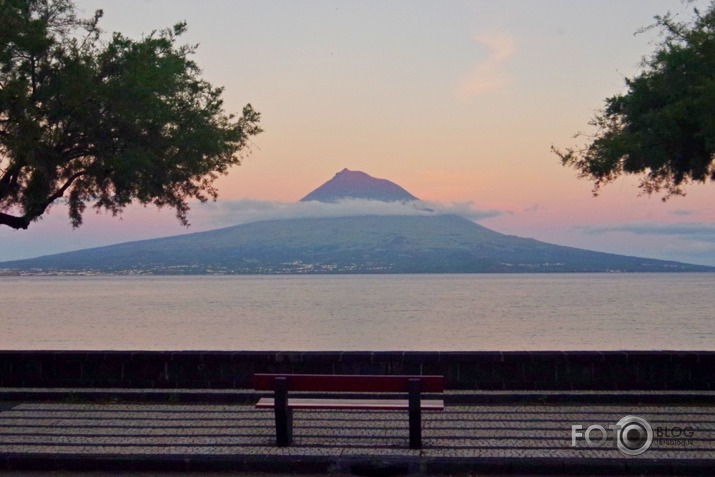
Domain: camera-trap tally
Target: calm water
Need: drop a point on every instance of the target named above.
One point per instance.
(366, 312)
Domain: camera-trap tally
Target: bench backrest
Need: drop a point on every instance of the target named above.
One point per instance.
(349, 383)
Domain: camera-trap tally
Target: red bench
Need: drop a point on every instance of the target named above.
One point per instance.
(412, 386)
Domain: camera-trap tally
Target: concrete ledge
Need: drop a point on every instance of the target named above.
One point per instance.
(518, 370)
(358, 465)
(249, 396)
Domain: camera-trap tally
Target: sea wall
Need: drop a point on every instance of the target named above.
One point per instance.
(570, 370)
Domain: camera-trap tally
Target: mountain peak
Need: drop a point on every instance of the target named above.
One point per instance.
(348, 184)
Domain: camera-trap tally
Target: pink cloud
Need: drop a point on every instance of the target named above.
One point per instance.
(489, 75)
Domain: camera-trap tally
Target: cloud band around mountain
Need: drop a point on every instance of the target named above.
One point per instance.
(249, 210)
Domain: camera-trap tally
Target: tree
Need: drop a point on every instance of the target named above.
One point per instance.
(663, 127)
(105, 123)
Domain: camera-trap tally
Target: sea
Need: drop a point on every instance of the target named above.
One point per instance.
(471, 312)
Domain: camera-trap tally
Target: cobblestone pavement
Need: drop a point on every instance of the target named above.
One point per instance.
(499, 438)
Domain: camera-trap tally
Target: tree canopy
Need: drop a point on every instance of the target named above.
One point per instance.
(663, 127)
(104, 122)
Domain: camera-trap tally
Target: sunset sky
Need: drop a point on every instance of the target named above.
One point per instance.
(457, 101)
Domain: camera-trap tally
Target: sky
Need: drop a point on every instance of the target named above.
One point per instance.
(457, 101)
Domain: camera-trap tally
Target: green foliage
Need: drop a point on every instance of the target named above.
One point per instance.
(105, 122)
(663, 127)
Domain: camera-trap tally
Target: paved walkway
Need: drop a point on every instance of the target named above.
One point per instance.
(462, 439)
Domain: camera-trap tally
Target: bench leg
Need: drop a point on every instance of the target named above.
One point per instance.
(284, 415)
(415, 414)
(284, 427)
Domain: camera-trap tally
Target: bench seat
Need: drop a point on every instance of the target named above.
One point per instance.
(283, 405)
(349, 404)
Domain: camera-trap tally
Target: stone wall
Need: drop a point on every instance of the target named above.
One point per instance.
(571, 370)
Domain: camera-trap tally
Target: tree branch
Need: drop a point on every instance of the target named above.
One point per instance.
(13, 221)
(60, 192)
(22, 222)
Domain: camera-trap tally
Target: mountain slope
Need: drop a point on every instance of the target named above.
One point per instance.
(365, 244)
(357, 185)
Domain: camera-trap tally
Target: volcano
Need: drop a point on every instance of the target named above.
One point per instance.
(349, 184)
(426, 243)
